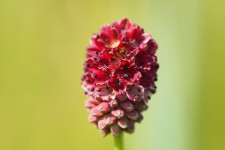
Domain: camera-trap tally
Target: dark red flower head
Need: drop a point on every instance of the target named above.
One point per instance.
(119, 76)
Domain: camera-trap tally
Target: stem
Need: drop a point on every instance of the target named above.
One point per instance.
(118, 140)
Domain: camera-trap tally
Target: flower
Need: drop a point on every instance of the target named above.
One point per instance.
(119, 76)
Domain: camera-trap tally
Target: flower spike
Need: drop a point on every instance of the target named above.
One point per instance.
(119, 76)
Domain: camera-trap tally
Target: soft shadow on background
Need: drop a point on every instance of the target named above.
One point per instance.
(42, 50)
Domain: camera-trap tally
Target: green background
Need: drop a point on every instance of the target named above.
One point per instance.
(42, 50)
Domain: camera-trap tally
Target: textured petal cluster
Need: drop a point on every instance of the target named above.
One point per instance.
(119, 76)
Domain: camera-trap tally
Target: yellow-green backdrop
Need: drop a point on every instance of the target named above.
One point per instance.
(42, 50)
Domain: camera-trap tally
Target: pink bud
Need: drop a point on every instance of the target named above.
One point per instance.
(141, 106)
(110, 119)
(118, 113)
(135, 93)
(106, 121)
(123, 123)
(133, 115)
(127, 106)
(140, 117)
(130, 127)
(95, 112)
(113, 103)
(104, 107)
(92, 119)
(115, 129)
(89, 104)
(104, 132)
(94, 100)
(102, 124)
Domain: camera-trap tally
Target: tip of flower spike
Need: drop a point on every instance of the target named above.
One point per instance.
(125, 23)
(119, 76)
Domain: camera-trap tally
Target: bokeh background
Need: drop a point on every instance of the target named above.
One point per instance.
(42, 50)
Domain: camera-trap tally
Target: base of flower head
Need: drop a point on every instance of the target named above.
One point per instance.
(119, 114)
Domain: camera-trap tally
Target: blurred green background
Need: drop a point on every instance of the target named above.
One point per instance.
(42, 50)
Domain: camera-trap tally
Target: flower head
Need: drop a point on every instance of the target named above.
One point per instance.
(119, 76)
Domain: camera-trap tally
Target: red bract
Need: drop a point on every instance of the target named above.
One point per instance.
(119, 76)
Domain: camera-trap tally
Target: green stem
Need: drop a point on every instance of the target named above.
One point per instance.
(118, 140)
